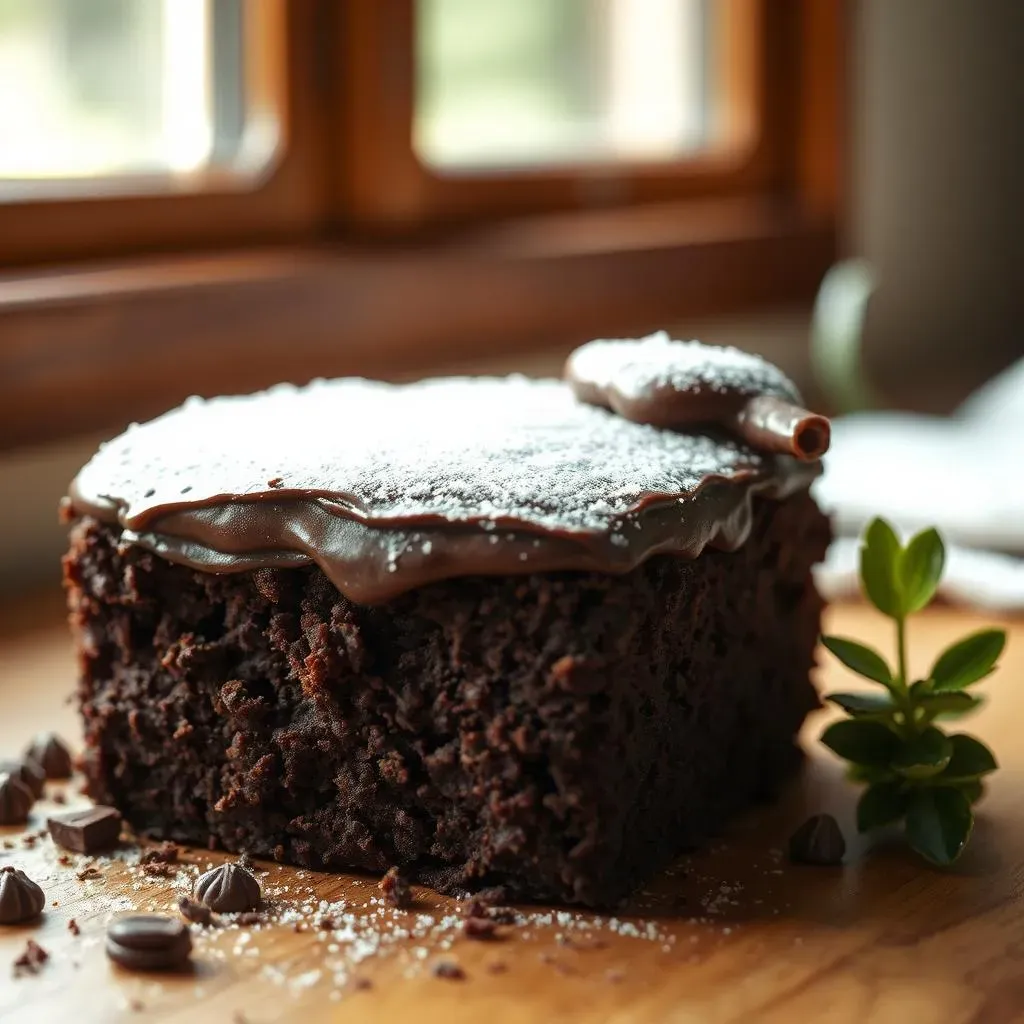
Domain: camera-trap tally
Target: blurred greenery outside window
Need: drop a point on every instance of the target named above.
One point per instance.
(114, 87)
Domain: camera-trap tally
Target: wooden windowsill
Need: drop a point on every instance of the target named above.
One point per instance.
(89, 348)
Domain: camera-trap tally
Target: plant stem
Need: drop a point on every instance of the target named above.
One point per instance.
(902, 686)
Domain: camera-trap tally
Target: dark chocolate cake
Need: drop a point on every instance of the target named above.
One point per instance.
(539, 634)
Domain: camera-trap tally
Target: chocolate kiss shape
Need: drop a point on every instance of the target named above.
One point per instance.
(20, 898)
(227, 889)
(16, 800)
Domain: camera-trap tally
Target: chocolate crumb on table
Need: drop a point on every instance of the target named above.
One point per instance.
(395, 888)
(31, 959)
(165, 853)
(88, 872)
(449, 970)
(74, 928)
(195, 912)
(482, 928)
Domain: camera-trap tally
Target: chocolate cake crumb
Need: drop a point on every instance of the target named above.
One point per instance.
(395, 888)
(249, 918)
(73, 928)
(361, 984)
(91, 871)
(64, 860)
(449, 970)
(195, 912)
(165, 853)
(31, 959)
(481, 928)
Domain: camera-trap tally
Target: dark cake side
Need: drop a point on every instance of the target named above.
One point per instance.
(564, 734)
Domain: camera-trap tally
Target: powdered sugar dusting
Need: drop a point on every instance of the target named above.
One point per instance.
(465, 450)
(636, 368)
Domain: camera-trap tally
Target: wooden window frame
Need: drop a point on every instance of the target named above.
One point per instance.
(349, 257)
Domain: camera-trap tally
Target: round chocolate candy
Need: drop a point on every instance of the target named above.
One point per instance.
(149, 942)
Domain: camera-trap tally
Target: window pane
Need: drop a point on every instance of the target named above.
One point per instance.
(119, 86)
(527, 82)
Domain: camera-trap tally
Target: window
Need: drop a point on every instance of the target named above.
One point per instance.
(120, 87)
(516, 83)
(201, 195)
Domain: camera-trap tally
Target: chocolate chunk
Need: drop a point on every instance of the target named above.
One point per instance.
(819, 840)
(16, 800)
(395, 888)
(89, 831)
(50, 752)
(148, 942)
(88, 872)
(195, 912)
(227, 889)
(449, 970)
(28, 772)
(31, 959)
(21, 899)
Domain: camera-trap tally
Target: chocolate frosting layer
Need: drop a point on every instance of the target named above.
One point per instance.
(389, 487)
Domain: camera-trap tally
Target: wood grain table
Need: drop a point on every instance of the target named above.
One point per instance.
(732, 934)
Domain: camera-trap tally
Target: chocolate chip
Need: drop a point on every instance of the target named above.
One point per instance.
(21, 899)
(395, 888)
(449, 970)
(27, 772)
(227, 889)
(157, 870)
(195, 912)
(89, 831)
(16, 800)
(50, 752)
(32, 958)
(148, 942)
(819, 840)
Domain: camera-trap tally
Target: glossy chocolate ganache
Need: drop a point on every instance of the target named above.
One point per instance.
(389, 487)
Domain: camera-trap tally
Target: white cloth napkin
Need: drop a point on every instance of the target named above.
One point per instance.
(963, 474)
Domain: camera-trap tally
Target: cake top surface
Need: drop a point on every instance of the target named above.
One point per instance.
(459, 449)
(283, 475)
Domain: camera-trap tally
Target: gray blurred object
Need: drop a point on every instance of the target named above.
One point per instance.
(932, 306)
(936, 210)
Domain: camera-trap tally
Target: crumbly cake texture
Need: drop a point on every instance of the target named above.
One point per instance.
(564, 734)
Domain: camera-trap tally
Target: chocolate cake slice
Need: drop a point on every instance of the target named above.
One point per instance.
(533, 633)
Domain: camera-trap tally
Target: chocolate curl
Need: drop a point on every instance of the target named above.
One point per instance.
(773, 425)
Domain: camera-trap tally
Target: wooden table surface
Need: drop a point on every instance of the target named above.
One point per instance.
(734, 933)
